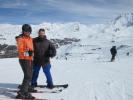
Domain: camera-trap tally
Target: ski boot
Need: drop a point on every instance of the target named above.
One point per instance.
(31, 89)
(26, 95)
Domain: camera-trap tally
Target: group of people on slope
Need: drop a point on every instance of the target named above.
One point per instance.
(33, 54)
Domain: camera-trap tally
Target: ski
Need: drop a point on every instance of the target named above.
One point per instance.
(43, 91)
(55, 86)
(11, 95)
(45, 86)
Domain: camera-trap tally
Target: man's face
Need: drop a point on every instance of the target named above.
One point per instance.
(41, 33)
(26, 33)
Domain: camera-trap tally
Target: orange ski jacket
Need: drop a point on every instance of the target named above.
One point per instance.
(24, 45)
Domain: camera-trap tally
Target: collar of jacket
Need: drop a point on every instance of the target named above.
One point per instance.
(25, 36)
(42, 38)
(22, 35)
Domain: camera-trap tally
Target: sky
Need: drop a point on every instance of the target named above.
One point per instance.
(83, 11)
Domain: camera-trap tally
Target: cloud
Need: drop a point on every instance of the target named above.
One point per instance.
(12, 4)
(81, 7)
(69, 10)
(99, 6)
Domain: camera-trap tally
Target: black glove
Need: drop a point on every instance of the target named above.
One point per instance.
(30, 53)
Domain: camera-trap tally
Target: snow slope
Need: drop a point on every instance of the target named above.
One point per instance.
(88, 79)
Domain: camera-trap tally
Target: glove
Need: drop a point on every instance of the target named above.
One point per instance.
(30, 53)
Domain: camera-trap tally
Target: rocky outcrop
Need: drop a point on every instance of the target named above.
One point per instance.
(10, 51)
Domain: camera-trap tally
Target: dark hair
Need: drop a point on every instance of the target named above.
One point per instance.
(26, 28)
(41, 30)
(114, 46)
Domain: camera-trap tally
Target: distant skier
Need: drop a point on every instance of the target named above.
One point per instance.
(65, 57)
(25, 51)
(127, 53)
(113, 53)
(43, 50)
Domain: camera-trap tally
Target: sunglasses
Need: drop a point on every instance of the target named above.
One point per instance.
(27, 32)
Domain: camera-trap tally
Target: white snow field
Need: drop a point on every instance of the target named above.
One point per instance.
(88, 79)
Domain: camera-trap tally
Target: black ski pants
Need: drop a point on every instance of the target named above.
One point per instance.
(26, 66)
(113, 57)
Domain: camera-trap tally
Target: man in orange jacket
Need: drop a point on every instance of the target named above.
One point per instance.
(25, 53)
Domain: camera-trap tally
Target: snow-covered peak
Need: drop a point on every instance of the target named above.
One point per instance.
(124, 20)
(92, 33)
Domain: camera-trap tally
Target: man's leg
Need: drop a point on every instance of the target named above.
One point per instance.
(36, 70)
(46, 70)
(113, 58)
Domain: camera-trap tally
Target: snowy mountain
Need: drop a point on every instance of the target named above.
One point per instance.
(120, 25)
(124, 20)
(55, 30)
(118, 32)
(121, 29)
(101, 38)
